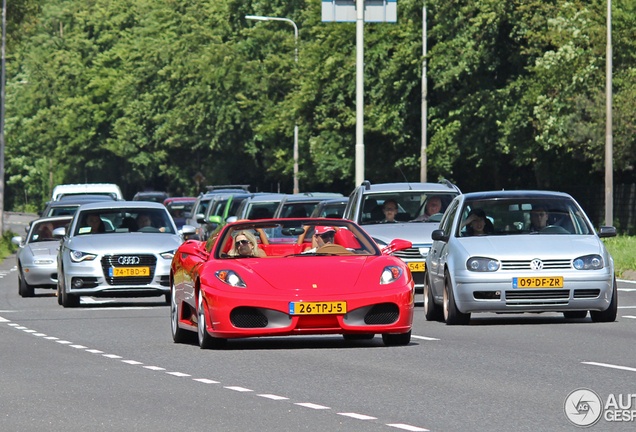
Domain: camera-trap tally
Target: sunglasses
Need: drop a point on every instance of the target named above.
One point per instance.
(242, 242)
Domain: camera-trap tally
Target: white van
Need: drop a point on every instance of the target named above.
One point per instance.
(86, 189)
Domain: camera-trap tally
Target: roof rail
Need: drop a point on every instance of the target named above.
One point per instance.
(246, 188)
(449, 184)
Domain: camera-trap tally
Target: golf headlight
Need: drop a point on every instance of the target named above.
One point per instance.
(390, 274)
(231, 278)
(479, 264)
(588, 262)
(77, 256)
(168, 255)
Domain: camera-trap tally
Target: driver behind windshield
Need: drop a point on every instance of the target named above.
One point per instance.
(538, 218)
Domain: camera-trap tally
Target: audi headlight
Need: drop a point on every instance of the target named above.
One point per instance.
(168, 255)
(479, 264)
(390, 274)
(78, 256)
(588, 262)
(231, 278)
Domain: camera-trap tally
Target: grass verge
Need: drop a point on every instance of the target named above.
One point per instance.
(623, 250)
(6, 247)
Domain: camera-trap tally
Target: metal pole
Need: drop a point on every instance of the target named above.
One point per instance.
(609, 157)
(359, 163)
(266, 18)
(423, 168)
(4, 34)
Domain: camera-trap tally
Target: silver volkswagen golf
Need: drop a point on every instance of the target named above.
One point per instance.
(117, 249)
(515, 252)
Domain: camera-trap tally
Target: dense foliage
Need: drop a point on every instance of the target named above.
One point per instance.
(146, 93)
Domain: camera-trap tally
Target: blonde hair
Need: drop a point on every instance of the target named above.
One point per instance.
(250, 237)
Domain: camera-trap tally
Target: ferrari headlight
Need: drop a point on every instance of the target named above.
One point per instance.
(588, 262)
(390, 274)
(479, 264)
(78, 256)
(168, 255)
(231, 278)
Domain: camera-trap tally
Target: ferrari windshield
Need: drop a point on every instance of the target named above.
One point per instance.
(522, 216)
(107, 221)
(299, 238)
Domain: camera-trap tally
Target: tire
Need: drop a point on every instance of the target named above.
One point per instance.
(608, 315)
(452, 315)
(432, 311)
(168, 299)
(205, 340)
(24, 289)
(357, 337)
(575, 314)
(65, 299)
(179, 335)
(396, 339)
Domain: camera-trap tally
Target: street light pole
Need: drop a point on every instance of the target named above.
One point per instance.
(423, 163)
(609, 151)
(266, 18)
(4, 35)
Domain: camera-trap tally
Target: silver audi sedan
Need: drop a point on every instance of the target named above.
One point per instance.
(37, 255)
(516, 252)
(117, 249)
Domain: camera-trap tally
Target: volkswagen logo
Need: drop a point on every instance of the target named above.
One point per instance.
(128, 260)
(536, 264)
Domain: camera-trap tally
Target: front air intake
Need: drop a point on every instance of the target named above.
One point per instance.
(384, 313)
(248, 317)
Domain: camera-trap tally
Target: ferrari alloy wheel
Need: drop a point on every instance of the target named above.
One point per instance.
(452, 315)
(396, 339)
(432, 312)
(24, 289)
(178, 334)
(609, 314)
(205, 340)
(575, 314)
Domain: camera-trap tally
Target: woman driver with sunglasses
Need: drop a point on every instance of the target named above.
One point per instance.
(245, 246)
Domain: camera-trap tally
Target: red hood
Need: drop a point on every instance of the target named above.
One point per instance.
(330, 274)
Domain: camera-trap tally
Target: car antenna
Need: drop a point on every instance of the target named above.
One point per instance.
(405, 179)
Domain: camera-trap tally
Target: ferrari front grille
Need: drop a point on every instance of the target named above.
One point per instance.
(383, 313)
(248, 317)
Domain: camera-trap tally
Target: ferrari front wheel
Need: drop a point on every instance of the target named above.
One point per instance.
(178, 334)
(396, 339)
(205, 340)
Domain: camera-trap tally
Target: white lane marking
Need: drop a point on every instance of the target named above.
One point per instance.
(120, 308)
(132, 362)
(627, 307)
(63, 342)
(237, 388)
(178, 374)
(358, 416)
(273, 397)
(14, 325)
(39, 334)
(206, 381)
(89, 300)
(611, 366)
(629, 316)
(51, 338)
(154, 368)
(312, 405)
(3, 319)
(20, 328)
(407, 427)
(78, 346)
(627, 289)
(423, 338)
(30, 331)
(113, 356)
(94, 351)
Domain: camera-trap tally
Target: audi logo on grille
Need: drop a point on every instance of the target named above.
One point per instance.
(536, 264)
(128, 260)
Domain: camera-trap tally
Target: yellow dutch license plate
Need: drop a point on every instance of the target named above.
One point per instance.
(129, 271)
(317, 308)
(417, 266)
(538, 282)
